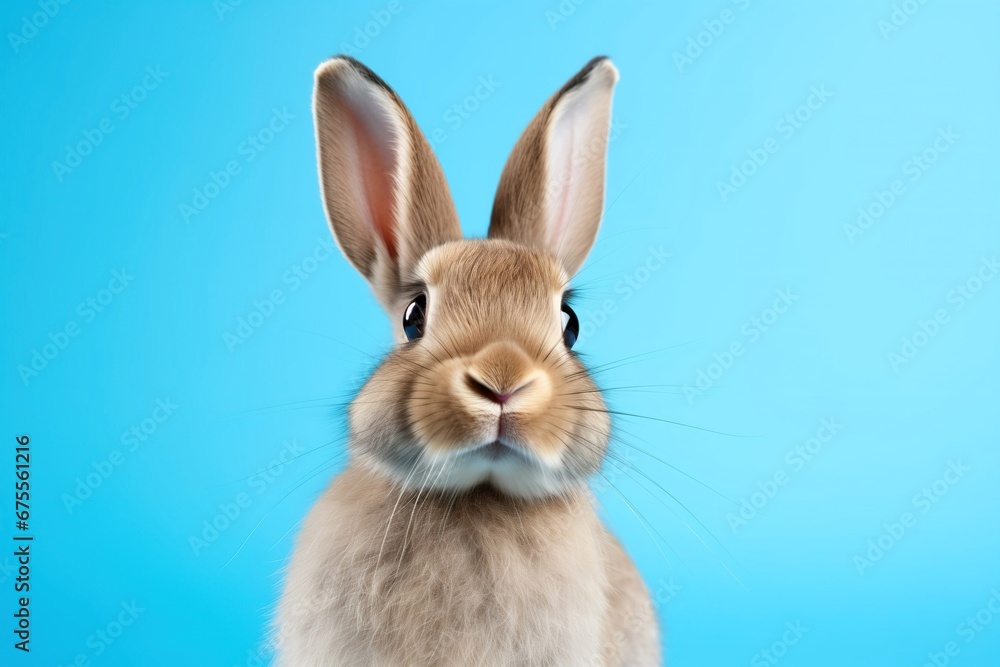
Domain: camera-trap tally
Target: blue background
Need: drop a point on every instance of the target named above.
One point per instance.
(727, 589)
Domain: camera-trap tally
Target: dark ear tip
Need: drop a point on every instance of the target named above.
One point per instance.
(333, 63)
(584, 74)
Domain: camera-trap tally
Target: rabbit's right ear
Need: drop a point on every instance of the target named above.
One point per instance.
(551, 192)
(384, 192)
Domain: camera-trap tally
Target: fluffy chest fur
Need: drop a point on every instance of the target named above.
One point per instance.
(389, 579)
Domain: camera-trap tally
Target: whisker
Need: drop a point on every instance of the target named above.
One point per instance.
(624, 442)
(625, 361)
(335, 340)
(679, 518)
(416, 503)
(619, 413)
(642, 522)
(332, 463)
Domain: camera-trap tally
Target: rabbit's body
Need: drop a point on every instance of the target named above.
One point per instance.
(487, 581)
(462, 532)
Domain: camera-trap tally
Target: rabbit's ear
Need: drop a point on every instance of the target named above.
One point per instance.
(551, 192)
(384, 192)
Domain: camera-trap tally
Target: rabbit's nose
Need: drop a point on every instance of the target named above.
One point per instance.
(503, 374)
(487, 390)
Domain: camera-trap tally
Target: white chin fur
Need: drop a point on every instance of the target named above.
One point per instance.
(515, 475)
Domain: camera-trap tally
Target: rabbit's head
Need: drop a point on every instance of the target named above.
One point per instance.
(482, 387)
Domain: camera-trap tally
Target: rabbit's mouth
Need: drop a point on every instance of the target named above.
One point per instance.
(495, 451)
(505, 465)
(498, 451)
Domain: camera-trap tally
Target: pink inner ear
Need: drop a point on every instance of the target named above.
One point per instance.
(376, 165)
(563, 212)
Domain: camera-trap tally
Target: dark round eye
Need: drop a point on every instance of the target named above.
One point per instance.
(413, 318)
(570, 325)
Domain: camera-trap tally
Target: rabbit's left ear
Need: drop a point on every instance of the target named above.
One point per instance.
(551, 192)
(384, 192)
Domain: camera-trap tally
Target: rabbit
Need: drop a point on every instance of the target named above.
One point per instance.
(462, 531)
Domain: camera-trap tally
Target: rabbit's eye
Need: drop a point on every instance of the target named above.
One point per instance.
(570, 325)
(413, 318)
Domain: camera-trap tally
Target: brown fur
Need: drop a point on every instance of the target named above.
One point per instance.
(423, 216)
(533, 178)
(462, 532)
(481, 580)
